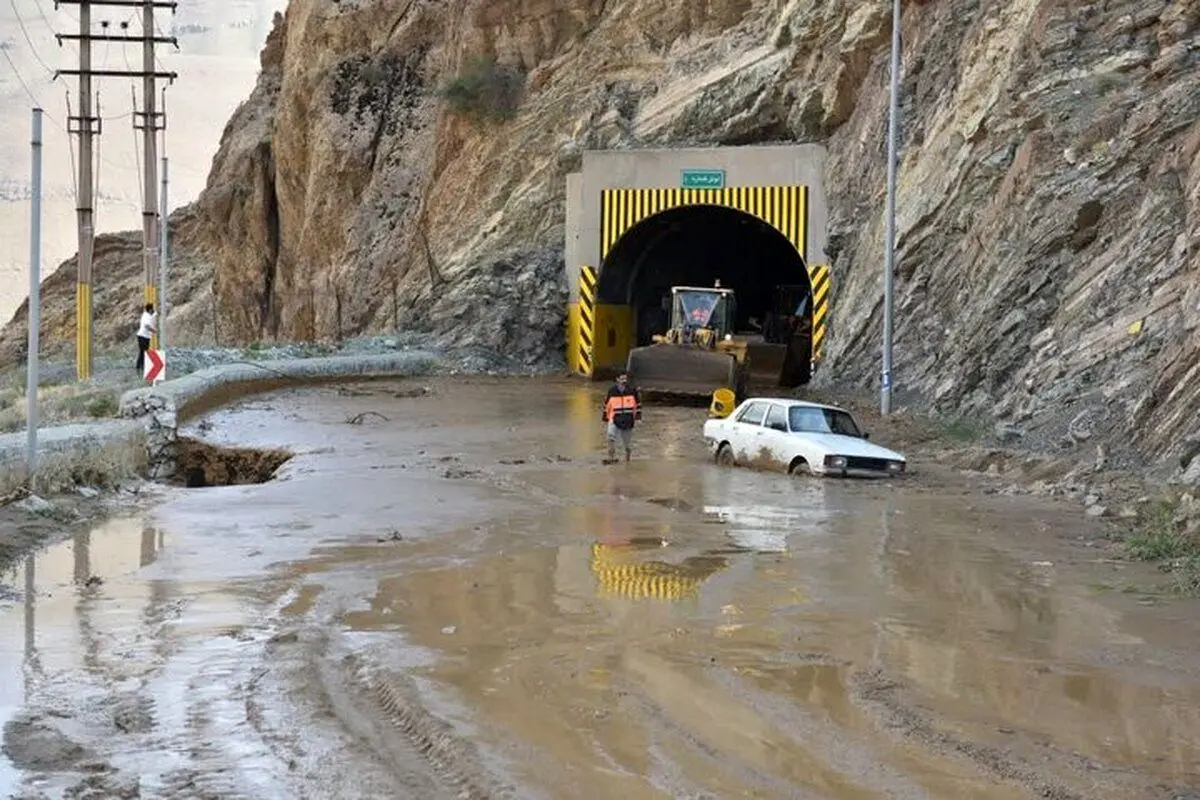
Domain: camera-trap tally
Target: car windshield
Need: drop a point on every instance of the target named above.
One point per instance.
(806, 419)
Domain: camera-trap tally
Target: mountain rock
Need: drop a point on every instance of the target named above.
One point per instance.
(401, 164)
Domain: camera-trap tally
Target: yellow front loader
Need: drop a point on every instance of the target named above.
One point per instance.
(701, 352)
(698, 354)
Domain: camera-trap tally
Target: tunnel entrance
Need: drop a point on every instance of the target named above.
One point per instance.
(698, 245)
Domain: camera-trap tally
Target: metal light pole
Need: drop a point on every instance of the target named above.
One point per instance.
(35, 300)
(889, 262)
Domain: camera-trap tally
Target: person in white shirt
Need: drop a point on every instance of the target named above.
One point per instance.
(146, 329)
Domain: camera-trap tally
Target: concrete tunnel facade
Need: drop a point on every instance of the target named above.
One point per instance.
(641, 221)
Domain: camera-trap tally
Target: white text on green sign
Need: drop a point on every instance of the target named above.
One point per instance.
(703, 179)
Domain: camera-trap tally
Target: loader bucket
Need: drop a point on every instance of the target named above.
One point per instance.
(766, 362)
(679, 370)
(779, 365)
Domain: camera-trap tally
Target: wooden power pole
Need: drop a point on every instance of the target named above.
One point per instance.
(87, 126)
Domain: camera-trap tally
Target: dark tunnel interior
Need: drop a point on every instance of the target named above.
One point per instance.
(696, 246)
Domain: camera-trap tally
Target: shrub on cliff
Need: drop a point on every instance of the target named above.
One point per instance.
(485, 91)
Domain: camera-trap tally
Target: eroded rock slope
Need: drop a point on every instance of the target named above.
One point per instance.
(1049, 190)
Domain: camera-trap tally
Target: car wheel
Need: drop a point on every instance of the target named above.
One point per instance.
(799, 469)
(725, 455)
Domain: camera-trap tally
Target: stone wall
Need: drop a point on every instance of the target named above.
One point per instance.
(161, 408)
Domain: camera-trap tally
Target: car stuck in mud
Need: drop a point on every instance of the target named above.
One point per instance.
(800, 437)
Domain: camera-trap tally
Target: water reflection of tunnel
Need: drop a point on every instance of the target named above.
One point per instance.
(696, 245)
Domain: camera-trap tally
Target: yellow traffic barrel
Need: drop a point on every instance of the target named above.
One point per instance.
(723, 402)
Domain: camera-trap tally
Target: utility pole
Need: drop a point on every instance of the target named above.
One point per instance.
(151, 123)
(889, 245)
(88, 126)
(163, 259)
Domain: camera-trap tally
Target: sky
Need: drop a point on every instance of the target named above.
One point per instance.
(217, 63)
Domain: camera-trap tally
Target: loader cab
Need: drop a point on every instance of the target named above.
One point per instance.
(694, 308)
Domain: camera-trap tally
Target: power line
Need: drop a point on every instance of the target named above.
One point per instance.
(42, 14)
(46, 19)
(107, 45)
(96, 162)
(71, 151)
(38, 103)
(113, 118)
(133, 127)
(28, 40)
(160, 32)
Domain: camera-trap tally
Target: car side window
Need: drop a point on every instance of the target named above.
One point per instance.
(753, 415)
(807, 420)
(777, 419)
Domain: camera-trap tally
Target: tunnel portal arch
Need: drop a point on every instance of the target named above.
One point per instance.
(697, 245)
(631, 234)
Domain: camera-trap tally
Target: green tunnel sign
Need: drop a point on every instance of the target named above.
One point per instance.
(703, 179)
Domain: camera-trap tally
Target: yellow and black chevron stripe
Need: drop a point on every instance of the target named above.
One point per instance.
(618, 575)
(819, 277)
(783, 207)
(587, 320)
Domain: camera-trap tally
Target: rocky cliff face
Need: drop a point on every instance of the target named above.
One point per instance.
(1049, 203)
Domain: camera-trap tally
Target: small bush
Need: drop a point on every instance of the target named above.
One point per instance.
(1158, 537)
(102, 466)
(103, 406)
(1162, 537)
(87, 403)
(485, 91)
(960, 429)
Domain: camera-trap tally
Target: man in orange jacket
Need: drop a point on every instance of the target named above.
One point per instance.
(622, 408)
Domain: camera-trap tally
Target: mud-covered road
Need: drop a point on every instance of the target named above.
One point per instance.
(445, 594)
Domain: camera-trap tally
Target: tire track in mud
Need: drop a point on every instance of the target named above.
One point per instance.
(873, 690)
(665, 732)
(651, 697)
(430, 737)
(879, 697)
(371, 702)
(822, 736)
(210, 734)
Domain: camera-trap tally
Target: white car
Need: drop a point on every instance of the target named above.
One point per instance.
(799, 437)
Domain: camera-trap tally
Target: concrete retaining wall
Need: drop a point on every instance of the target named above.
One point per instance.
(160, 409)
(142, 442)
(91, 453)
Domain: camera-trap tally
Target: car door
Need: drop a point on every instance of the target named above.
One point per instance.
(747, 433)
(775, 436)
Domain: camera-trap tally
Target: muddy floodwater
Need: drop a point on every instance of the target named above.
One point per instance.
(445, 594)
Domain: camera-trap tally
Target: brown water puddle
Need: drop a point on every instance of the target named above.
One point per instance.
(459, 586)
(668, 628)
(662, 652)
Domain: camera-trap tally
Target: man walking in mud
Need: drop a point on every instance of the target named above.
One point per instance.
(622, 409)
